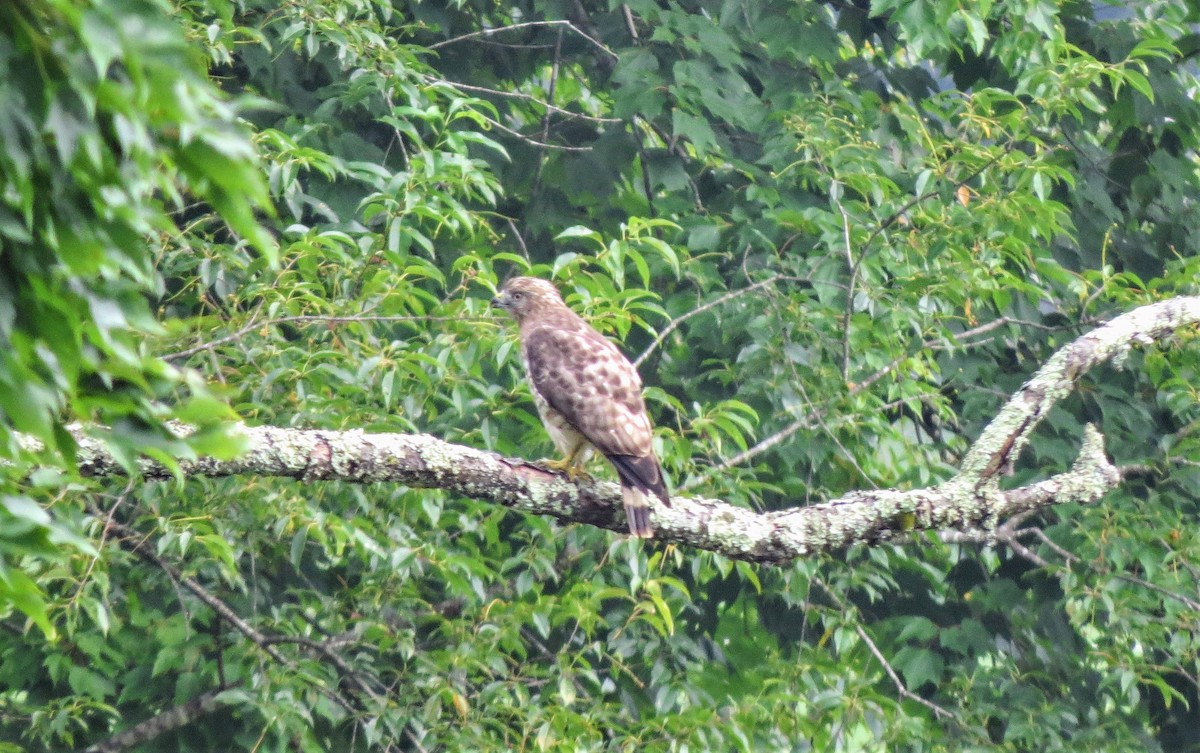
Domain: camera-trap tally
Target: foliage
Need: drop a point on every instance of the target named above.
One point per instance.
(109, 124)
(837, 237)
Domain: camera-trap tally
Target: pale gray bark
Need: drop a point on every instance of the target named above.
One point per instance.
(970, 501)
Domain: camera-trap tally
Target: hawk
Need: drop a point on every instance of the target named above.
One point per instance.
(588, 395)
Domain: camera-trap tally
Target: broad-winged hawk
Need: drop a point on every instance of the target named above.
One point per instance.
(588, 395)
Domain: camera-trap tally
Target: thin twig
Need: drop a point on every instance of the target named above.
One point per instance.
(882, 226)
(515, 45)
(899, 683)
(532, 141)
(672, 145)
(327, 649)
(640, 131)
(132, 541)
(305, 318)
(520, 240)
(819, 416)
(629, 24)
(545, 651)
(524, 97)
(674, 323)
(1011, 541)
(901, 688)
(854, 267)
(1061, 552)
(524, 25)
(1190, 603)
(112, 510)
(1133, 579)
(550, 91)
(896, 215)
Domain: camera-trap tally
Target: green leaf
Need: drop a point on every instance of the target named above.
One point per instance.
(918, 666)
(19, 590)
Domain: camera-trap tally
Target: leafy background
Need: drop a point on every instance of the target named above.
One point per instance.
(836, 235)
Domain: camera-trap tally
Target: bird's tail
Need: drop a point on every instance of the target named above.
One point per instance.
(637, 512)
(640, 476)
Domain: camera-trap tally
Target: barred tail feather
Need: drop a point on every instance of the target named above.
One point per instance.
(637, 512)
(640, 477)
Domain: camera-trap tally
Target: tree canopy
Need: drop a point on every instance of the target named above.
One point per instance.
(836, 238)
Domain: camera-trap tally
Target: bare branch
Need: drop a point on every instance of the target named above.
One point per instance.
(1189, 603)
(525, 25)
(854, 266)
(304, 319)
(532, 141)
(629, 23)
(901, 688)
(1013, 543)
(720, 301)
(134, 542)
(1133, 579)
(512, 226)
(536, 187)
(524, 97)
(1068, 557)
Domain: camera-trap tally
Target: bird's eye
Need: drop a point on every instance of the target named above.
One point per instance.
(517, 295)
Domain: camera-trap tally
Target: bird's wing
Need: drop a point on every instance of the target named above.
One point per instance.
(585, 378)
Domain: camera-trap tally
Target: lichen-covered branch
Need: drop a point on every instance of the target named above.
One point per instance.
(1002, 441)
(172, 719)
(971, 500)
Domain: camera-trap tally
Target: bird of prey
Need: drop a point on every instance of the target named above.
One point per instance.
(588, 395)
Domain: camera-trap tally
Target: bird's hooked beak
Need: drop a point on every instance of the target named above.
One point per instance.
(501, 301)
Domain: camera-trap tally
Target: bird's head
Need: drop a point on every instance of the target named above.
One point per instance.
(523, 296)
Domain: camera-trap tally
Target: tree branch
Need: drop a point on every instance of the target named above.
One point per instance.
(183, 715)
(970, 500)
(172, 719)
(525, 25)
(718, 301)
(961, 340)
(523, 97)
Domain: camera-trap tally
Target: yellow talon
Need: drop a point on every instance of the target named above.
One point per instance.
(573, 470)
(572, 464)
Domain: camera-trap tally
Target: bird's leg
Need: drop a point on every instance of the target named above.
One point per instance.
(572, 464)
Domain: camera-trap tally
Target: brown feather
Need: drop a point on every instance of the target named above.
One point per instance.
(587, 391)
(577, 378)
(637, 512)
(643, 473)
